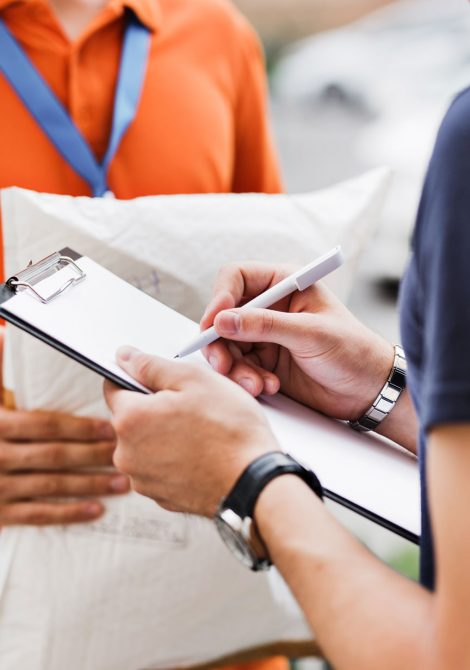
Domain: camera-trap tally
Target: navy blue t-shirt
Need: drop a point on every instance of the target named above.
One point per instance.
(435, 297)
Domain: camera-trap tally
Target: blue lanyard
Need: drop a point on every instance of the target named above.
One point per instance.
(54, 119)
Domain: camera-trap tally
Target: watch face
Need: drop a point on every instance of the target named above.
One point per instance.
(233, 538)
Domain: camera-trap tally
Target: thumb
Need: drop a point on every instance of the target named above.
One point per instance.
(263, 325)
(152, 371)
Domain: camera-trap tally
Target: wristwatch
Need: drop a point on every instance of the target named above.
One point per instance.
(234, 518)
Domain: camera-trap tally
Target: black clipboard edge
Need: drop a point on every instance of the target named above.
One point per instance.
(371, 516)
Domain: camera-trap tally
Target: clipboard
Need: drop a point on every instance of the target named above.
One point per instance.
(81, 309)
(28, 280)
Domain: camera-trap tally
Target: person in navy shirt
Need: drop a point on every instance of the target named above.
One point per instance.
(187, 446)
(435, 298)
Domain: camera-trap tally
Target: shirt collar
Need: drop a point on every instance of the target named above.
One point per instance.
(147, 11)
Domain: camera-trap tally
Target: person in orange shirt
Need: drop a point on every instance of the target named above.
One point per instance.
(196, 123)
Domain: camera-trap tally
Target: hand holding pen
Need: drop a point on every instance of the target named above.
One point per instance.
(297, 281)
(308, 345)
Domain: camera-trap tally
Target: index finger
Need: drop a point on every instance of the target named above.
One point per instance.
(237, 283)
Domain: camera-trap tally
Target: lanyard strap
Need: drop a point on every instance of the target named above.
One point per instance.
(54, 119)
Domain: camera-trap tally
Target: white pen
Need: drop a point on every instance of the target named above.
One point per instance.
(298, 281)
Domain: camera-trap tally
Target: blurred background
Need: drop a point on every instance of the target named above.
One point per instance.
(361, 83)
(356, 84)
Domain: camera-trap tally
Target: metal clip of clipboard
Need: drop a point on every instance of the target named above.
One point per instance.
(36, 272)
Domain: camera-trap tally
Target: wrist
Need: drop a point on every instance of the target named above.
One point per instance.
(401, 425)
(235, 516)
(240, 457)
(388, 396)
(279, 503)
(378, 360)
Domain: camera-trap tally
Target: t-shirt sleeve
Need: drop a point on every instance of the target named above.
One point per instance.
(442, 247)
(256, 167)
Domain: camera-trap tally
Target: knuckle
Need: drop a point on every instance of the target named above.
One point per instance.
(225, 273)
(143, 365)
(89, 484)
(3, 487)
(4, 457)
(121, 460)
(103, 453)
(99, 483)
(55, 455)
(126, 422)
(49, 424)
(4, 516)
(51, 485)
(228, 277)
(120, 423)
(267, 322)
(84, 429)
(261, 324)
(7, 423)
(37, 516)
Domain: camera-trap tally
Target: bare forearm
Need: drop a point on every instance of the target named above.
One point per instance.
(364, 615)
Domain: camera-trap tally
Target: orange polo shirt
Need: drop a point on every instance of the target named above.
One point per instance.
(201, 123)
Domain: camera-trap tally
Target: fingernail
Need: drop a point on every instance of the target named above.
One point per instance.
(247, 384)
(106, 431)
(125, 353)
(270, 386)
(213, 361)
(92, 509)
(228, 323)
(119, 484)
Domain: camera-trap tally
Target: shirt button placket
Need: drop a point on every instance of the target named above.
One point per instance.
(73, 84)
(81, 107)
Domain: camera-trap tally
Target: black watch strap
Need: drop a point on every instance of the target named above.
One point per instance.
(259, 473)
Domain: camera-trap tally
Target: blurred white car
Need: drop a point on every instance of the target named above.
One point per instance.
(399, 68)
